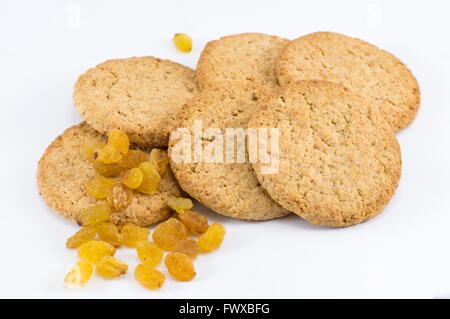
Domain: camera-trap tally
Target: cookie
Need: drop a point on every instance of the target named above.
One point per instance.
(340, 162)
(227, 186)
(358, 65)
(141, 96)
(63, 173)
(240, 57)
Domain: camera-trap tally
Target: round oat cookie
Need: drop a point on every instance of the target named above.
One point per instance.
(340, 162)
(358, 65)
(141, 96)
(63, 173)
(240, 57)
(229, 187)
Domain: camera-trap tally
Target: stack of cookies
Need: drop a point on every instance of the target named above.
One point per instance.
(331, 102)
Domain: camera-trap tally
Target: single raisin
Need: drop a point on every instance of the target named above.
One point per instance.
(82, 236)
(180, 204)
(149, 253)
(119, 140)
(212, 238)
(94, 214)
(133, 178)
(109, 155)
(160, 159)
(132, 234)
(107, 170)
(133, 159)
(109, 233)
(180, 266)
(194, 221)
(79, 274)
(109, 267)
(188, 247)
(95, 250)
(168, 233)
(119, 197)
(149, 276)
(182, 42)
(99, 186)
(150, 180)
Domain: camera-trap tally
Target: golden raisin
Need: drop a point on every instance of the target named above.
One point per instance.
(107, 170)
(180, 204)
(160, 159)
(95, 250)
(194, 221)
(132, 234)
(212, 238)
(182, 42)
(109, 155)
(79, 274)
(109, 233)
(180, 266)
(149, 253)
(99, 186)
(133, 159)
(133, 178)
(82, 236)
(119, 140)
(109, 267)
(168, 233)
(119, 197)
(188, 247)
(89, 149)
(95, 214)
(149, 276)
(150, 180)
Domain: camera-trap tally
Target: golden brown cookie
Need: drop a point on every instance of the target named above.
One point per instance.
(340, 162)
(63, 173)
(226, 186)
(240, 57)
(141, 96)
(358, 65)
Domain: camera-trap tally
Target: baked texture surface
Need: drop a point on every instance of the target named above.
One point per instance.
(358, 65)
(229, 188)
(63, 173)
(140, 95)
(240, 57)
(340, 162)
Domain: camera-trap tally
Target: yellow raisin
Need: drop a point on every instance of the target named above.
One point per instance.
(119, 140)
(109, 233)
(132, 234)
(99, 186)
(95, 250)
(149, 276)
(168, 233)
(110, 155)
(79, 274)
(188, 247)
(89, 149)
(107, 170)
(149, 253)
(82, 236)
(133, 159)
(160, 159)
(133, 178)
(194, 221)
(150, 180)
(212, 238)
(180, 266)
(109, 267)
(180, 204)
(95, 214)
(182, 42)
(119, 197)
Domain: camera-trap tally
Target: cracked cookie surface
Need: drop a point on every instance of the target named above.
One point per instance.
(228, 187)
(240, 57)
(358, 65)
(63, 173)
(340, 162)
(142, 96)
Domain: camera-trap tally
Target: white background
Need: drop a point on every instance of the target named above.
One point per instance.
(46, 45)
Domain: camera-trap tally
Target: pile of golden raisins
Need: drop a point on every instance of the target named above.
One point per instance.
(98, 238)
